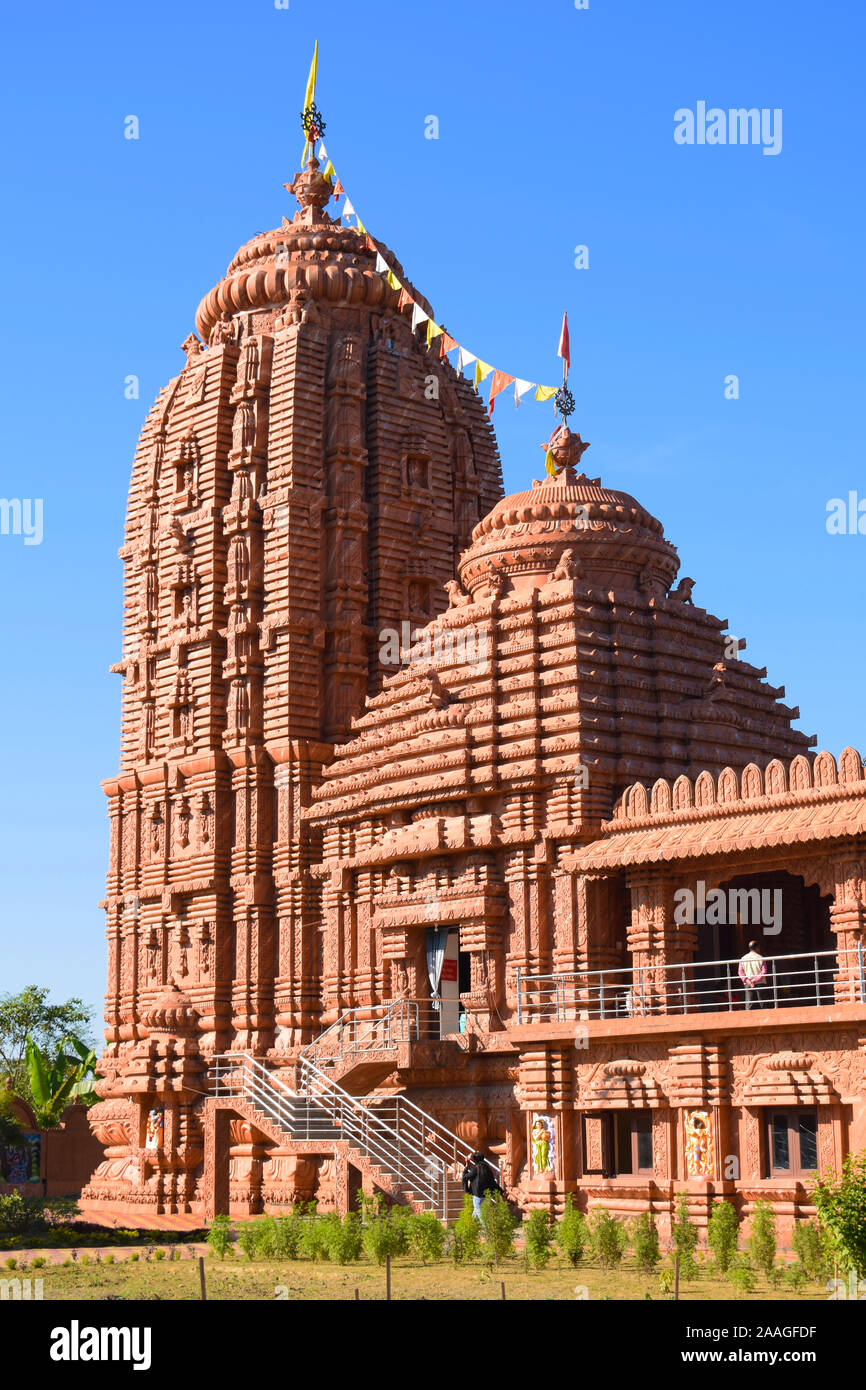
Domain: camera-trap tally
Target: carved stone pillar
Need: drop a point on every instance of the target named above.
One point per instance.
(657, 943)
(848, 921)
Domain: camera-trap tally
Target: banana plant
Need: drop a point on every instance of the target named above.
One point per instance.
(54, 1082)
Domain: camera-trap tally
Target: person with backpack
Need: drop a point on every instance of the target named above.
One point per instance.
(479, 1177)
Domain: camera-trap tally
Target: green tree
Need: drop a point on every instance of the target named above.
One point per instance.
(685, 1239)
(499, 1225)
(539, 1233)
(645, 1242)
(572, 1233)
(608, 1237)
(10, 1131)
(30, 1012)
(809, 1242)
(762, 1241)
(723, 1230)
(54, 1082)
(466, 1242)
(841, 1205)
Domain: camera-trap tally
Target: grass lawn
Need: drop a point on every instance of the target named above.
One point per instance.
(238, 1278)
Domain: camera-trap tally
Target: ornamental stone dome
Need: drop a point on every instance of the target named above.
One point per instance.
(569, 521)
(311, 258)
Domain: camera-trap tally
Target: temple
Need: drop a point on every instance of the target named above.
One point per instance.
(375, 902)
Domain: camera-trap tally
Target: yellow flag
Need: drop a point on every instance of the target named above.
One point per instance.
(546, 393)
(433, 331)
(359, 226)
(310, 95)
(550, 463)
(329, 171)
(393, 281)
(481, 371)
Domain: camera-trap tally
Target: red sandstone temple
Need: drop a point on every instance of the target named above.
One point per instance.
(375, 902)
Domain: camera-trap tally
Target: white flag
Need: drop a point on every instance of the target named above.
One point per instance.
(464, 358)
(418, 315)
(323, 153)
(347, 209)
(381, 263)
(520, 389)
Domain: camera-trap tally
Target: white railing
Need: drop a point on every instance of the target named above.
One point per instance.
(376, 1030)
(411, 1147)
(808, 978)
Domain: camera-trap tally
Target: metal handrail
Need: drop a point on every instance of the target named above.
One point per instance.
(801, 978)
(392, 1132)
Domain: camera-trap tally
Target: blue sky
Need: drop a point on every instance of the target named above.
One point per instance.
(555, 130)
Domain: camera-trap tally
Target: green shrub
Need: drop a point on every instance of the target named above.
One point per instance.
(684, 1234)
(538, 1231)
(499, 1225)
(809, 1244)
(645, 1242)
(666, 1281)
(343, 1238)
(219, 1237)
(607, 1238)
(314, 1238)
(109, 1260)
(572, 1233)
(39, 1262)
(795, 1277)
(426, 1236)
(466, 1236)
(135, 1257)
(741, 1275)
(14, 1216)
(762, 1240)
(159, 1254)
(841, 1206)
(383, 1235)
(247, 1238)
(287, 1231)
(11, 1262)
(723, 1232)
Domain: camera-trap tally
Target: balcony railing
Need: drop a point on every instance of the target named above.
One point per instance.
(806, 979)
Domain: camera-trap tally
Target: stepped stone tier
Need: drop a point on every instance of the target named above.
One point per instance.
(568, 787)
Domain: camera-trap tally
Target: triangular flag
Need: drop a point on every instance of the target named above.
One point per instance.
(359, 224)
(550, 464)
(520, 389)
(323, 153)
(381, 263)
(545, 393)
(433, 331)
(482, 370)
(329, 171)
(564, 351)
(405, 298)
(418, 315)
(347, 209)
(339, 190)
(310, 96)
(447, 345)
(464, 358)
(393, 281)
(499, 383)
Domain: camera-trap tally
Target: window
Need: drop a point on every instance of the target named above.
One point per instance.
(629, 1142)
(792, 1142)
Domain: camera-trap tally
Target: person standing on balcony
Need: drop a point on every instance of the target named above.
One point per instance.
(753, 970)
(478, 1179)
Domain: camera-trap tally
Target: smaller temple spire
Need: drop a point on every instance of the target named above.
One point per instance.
(563, 452)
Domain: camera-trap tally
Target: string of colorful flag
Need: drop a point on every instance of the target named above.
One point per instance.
(314, 128)
(481, 370)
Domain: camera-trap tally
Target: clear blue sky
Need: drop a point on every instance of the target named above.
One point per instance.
(555, 129)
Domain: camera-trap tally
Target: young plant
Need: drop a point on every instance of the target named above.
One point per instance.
(608, 1238)
(572, 1233)
(499, 1225)
(219, 1237)
(343, 1238)
(762, 1241)
(248, 1238)
(684, 1233)
(466, 1236)
(538, 1232)
(645, 1242)
(723, 1231)
(841, 1206)
(809, 1243)
(426, 1237)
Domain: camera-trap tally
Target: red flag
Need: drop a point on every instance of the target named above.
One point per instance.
(499, 383)
(564, 350)
(447, 344)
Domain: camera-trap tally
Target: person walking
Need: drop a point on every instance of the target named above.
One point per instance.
(753, 970)
(478, 1179)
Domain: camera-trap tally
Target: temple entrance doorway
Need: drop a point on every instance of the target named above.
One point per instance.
(445, 959)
